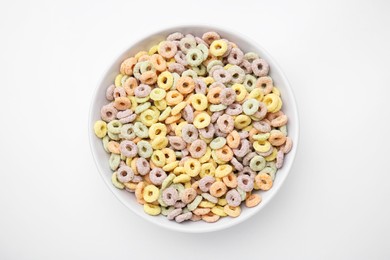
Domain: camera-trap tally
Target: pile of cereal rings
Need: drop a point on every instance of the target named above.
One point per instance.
(194, 126)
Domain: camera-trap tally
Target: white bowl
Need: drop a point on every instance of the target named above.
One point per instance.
(101, 157)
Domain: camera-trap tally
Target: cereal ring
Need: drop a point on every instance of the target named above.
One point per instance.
(221, 75)
(223, 170)
(242, 121)
(286, 148)
(238, 74)
(127, 66)
(188, 114)
(233, 198)
(263, 181)
(236, 164)
(189, 133)
(113, 147)
(245, 182)
(148, 77)
(207, 132)
(233, 139)
(119, 92)
(279, 121)
(279, 159)
(192, 167)
(250, 106)
(236, 56)
(194, 57)
(197, 148)
(199, 102)
(188, 195)
(242, 149)
(157, 130)
(125, 174)
(187, 44)
(100, 128)
(225, 123)
(202, 120)
(224, 154)
(176, 68)
(174, 213)
(151, 209)
(217, 143)
(128, 148)
(227, 96)
(158, 62)
(141, 130)
(157, 176)
(218, 48)
(173, 97)
(144, 149)
(277, 138)
(167, 49)
(209, 198)
(257, 163)
(142, 90)
(194, 204)
(260, 67)
(210, 217)
(230, 180)
(218, 189)
(110, 92)
(183, 217)
(108, 113)
(218, 132)
(175, 36)
(142, 166)
(265, 84)
(185, 85)
(205, 183)
(253, 200)
(249, 82)
(248, 157)
(210, 37)
(177, 142)
(262, 126)
(234, 109)
(232, 211)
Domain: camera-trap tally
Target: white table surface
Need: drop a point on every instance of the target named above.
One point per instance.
(335, 203)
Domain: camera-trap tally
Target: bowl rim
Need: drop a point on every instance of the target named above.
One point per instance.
(294, 109)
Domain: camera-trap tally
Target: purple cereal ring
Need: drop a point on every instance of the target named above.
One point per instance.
(214, 68)
(179, 204)
(119, 92)
(198, 148)
(236, 164)
(176, 36)
(201, 41)
(227, 96)
(188, 114)
(245, 182)
(137, 179)
(110, 92)
(247, 158)
(174, 213)
(248, 172)
(207, 132)
(205, 183)
(176, 67)
(260, 67)
(246, 66)
(215, 116)
(242, 149)
(233, 198)
(279, 159)
(234, 109)
(262, 126)
(142, 166)
(170, 196)
(200, 86)
(265, 154)
(218, 132)
(128, 148)
(236, 56)
(180, 58)
(108, 113)
(142, 90)
(128, 119)
(124, 113)
(243, 134)
(261, 111)
(157, 176)
(217, 84)
(177, 142)
(124, 174)
(183, 217)
(225, 123)
(189, 133)
(229, 49)
(221, 75)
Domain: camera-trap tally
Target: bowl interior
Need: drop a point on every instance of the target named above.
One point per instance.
(101, 157)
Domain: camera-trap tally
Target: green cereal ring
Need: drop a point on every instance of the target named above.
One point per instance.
(205, 51)
(257, 163)
(250, 106)
(179, 187)
(123, 80)
(112, 136)
(283, 129)
(167, 181)
(176, 77)
(189, 73)
(251, 56)
(179, 154)
(115, 182)
(195, 203)
(114, 127)
(268, 170)
(141, 108)
(261, 137)
(242, 193)
(105, 141)
(145, 150)
(161, 201)
(165, 211)
(136, 70)
(194, 57)
(146, 66)
(200, 70)
(214, 63)
(141, 100)
(218, 143)
(249, 82)
(127, 132)
(216, 108)
(141, 130)
(114, 161)
(164, 115)
(238, 74)
(157, 94)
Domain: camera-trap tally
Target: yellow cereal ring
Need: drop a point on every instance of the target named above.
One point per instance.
(179, 128)
(242, 121)
(100, 128)
(158, 158)
(206, 156)
(206, 204)
(272, 156)
(182, 178)
(133, 102)
(218, 48)
(279, 106)
(128, 161)
(118, 80)
(207, 169)
(115, 182)
(232, 211)
(271, 101)
(161, 104)
(261, 146)
(151, 209)
(192, 167)
(149, 117)
(170, 166)
(218, 210)
(179, 170)
(241, 92)
(157, 94)
(159, 142)
(178, 108)
(208, 81)
(139, 54)
(257, 94)
(169, 154)
(223, 170)
(199, 102)
(157, 130)
(222, 202)
(165, 114)
(130, 185)
(165, 80)
(151, 193)
(153, 50)
(202, 120)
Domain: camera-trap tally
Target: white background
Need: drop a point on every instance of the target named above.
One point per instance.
(335, 203)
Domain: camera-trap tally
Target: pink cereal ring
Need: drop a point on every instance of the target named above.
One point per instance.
(177, 142)
(198, 148)
(236, 164)
(245, 182)
(266, 84)
(110, 92)
(215, 116)
(209, 37)
(242, 149)
(233, 198)
(128, 148)
(221, 75)
(236, 56)
(108, 112)
(119, 92)
(227, 96)
(183, 217)
(142, 90)
(157, 176)
(189, 133)
(170, 196)
(128, 119)
(200, 86)
(286, 148)
(234, 109)
(262, 126)
(188, 195)
(180, 58)
(207, 132)
(167, 49)
(279, 159)
(248, 172)
(174, 213)
(206, 182)
(260, 67)
(142, 166)
(225, 123)
(188, 114)
(176, 67)
(125, 174)
(246, 66)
